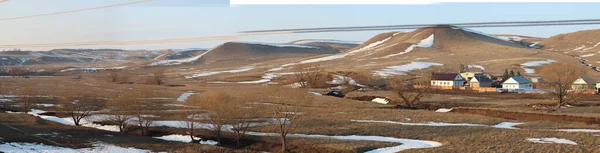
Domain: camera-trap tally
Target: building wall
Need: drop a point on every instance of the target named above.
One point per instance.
(479, 84)
(516, 86)
(581, 87)
(446, 83)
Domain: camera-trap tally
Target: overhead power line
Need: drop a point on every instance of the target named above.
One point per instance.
(416, 26)
(139, 42)
(315, 30)
(72, 11)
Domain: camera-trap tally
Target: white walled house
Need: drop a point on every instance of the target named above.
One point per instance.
(517, 83)
(447, 80)
(583, 83)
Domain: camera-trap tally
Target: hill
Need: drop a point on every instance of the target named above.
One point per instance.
(445, 47)
(250, 51)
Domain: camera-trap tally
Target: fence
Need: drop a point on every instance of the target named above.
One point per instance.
(492, 89)
(481, 89)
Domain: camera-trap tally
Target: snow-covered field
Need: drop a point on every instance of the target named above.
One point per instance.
(404, 143)
(402, 69)
(20, 147)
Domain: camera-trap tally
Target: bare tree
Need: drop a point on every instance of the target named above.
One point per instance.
(410, 90)
(157, 77)
(286, 116)
(558, 80)
(241, 119)
(141, 107)
(17, 71)
(191, 117)
(367, 78)
(120, 107)
(113, 76)
(309, 75)
(217, 103)
(27, 97)
(78, 105)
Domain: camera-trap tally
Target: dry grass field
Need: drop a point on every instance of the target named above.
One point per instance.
(322, 115)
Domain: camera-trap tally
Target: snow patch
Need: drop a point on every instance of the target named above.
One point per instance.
(580, 130)
(326, 58)
(535, 64)
(179, 61)
(579, 48)
(267, 77)
(425, 43)
(419, 124)
(482, 33)
(244, 69)
(327, 41)
(281, 45)
(507, 125)
(184, 96)
(185, 138)
(402, 69)
(476, 66)
(372, 45)
(380, 100)
(551, 140)
(45, 105)
(587, 55)
(316, 93)
(93, 69)
(444, 110)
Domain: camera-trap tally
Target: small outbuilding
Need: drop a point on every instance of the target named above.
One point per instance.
(479, 81)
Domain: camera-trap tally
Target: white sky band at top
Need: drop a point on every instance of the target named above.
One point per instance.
(247, 2)
(72, 11)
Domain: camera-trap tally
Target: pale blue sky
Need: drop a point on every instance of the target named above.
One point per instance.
(164, 19)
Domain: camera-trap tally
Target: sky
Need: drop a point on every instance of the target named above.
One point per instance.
(168, 19)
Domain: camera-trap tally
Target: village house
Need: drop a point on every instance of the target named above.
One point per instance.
(447, 80)
(583, 83)
(517, 83)
(479, 81)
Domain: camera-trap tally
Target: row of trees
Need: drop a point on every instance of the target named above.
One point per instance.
(155, 78)
(224, 114)
(510, 74)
